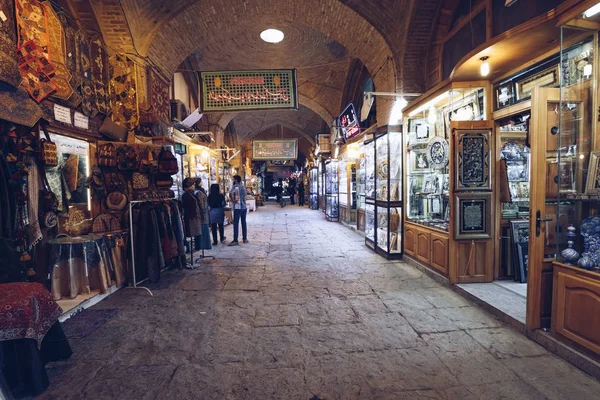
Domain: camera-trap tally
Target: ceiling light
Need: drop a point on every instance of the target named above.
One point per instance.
(396, 113)
(590, 12)
(484, 69)
(272, 35)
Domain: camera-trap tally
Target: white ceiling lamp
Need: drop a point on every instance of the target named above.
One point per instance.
(396, 113)
(272, 35)
(484, 68)
(590, 12)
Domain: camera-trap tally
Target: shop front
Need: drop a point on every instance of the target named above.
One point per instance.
(500, 180)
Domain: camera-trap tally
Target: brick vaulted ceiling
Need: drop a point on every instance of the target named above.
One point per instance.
(391, 38)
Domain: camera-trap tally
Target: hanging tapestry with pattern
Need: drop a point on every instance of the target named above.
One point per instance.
(9, 68)
(123, 91)
(158, 94)
(99, 65)
(88, 105)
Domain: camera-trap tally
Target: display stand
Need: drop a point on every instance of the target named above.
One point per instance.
(131, 204)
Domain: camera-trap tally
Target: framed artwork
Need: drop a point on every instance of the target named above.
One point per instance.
(437, 152)
(504, 95)
(429, 183)
(473, 216)
(522, 262)
(525, 86)
(473, 170)
(419, 160)
(593, 177)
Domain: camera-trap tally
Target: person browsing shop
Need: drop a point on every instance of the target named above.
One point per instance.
(237, 195)
(216, 203)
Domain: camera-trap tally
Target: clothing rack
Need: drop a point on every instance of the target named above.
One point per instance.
(132, 244)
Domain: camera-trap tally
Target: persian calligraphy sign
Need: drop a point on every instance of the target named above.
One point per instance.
(249, 90)
(284, 149)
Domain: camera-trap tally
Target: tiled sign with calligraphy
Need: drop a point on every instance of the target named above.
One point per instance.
(249, 90)
(284, 149)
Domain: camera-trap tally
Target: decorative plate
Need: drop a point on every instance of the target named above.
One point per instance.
(437, 152)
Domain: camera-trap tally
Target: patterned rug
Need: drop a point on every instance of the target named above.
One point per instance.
(87, 321)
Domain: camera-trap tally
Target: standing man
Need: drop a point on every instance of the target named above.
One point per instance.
(301, 193)
(237, 194)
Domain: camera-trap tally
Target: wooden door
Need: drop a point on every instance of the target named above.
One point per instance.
(543, 218)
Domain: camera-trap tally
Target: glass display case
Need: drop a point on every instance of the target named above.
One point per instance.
(321, 186)
(332, 212)
(572, 201)
(369, 163)
(361, 180)
(383, 187)
(343, 181)
(353, 187)
(313, 194)
(427, 153)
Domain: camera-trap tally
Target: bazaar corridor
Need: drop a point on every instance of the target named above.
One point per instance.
(306, 311)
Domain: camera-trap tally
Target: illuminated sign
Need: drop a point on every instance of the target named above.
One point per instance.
(284, 149)
(249, 90)
(348, 122)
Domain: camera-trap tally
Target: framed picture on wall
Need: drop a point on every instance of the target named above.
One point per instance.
(473, 216)
(473, 170)
(523, 261)
(504, 95)
(593, 178)
(419, 160)
(525, 86)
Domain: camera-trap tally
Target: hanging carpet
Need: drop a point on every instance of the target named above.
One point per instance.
(88, 105)
(158, 93)
(100, 78)
(123, 91)
(9, 68)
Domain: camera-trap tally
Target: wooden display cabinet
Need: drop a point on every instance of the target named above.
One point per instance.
(429, 246)
(576, 307)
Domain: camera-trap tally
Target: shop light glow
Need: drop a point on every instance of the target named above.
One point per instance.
(590, 12)
(272, 35)
(484, 69)
(396, 114)
(587, 70)
(432, 116)
(429, 104)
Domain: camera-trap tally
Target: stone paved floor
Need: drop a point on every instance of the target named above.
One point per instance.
(307, 311)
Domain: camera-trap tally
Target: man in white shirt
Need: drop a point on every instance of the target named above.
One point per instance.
(237, 194)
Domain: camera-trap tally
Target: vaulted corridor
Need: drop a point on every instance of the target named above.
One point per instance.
(305, 311)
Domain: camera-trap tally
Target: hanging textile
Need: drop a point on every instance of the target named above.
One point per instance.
(71, 51)
(88, 105)
(62, 77)
(100, 76)
(33, 53)
(18, 107)
(123, 91)
(33, 193)
(158, 95)
(9, 68)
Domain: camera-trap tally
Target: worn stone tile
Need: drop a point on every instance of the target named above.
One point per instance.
(471, 318)
(277, 347)
(349, 288)
(466, 359)
(506, 343)
(391, 331)
(442, 297)
(554, 377)
(283, 383)
(401, 300)
(70, 383)
(429, 320)
(421, 370)
(126, 382)
(278, 315)
(368, 304)
(327, 311)
(506, 390)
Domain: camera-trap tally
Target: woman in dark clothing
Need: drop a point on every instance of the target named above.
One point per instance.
(216, 203)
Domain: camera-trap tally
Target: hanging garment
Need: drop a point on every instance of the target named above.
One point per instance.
(191, 215)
